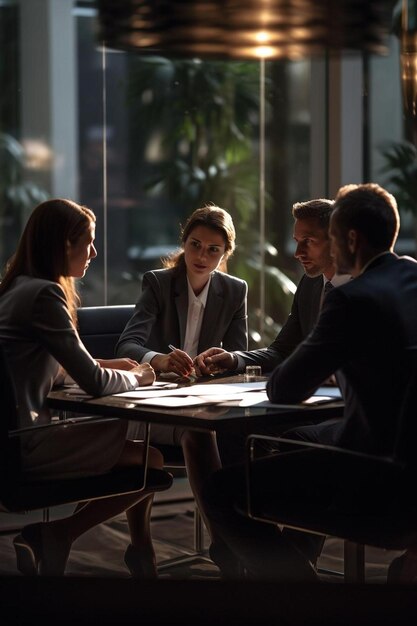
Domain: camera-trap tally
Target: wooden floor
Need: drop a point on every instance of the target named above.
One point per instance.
(97, 587)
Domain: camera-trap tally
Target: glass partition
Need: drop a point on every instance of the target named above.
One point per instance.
(144, 141)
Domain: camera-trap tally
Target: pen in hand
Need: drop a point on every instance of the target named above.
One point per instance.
(191, 375)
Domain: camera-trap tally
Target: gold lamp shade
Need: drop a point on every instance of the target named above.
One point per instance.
(245, 29)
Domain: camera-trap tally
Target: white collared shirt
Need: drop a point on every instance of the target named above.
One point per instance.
(338, 279)
(196, 306)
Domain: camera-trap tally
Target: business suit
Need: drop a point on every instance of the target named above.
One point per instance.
(39, 339)
(160, 317)
(363, 329)
(304, 313)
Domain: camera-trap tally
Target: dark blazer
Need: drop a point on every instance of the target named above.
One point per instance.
(304, 313)
(160, 316)
(363, 329)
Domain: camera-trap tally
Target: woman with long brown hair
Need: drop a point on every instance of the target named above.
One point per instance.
(38, 303)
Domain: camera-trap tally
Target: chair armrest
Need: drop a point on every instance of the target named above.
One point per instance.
(324, 448)
(73, 421)
(318, 446)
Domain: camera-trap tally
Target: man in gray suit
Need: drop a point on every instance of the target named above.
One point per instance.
(311, 223)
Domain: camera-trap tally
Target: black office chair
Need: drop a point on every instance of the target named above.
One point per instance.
(100, 328)
(19, 494)
(373, 498)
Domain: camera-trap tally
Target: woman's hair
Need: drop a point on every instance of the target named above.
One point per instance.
(43, 246)
(212, 217)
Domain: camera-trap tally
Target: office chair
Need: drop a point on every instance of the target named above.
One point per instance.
(100, 328)
(19, 494)
(372, 497)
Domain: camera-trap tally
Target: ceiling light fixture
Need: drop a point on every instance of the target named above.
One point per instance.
(245, 29)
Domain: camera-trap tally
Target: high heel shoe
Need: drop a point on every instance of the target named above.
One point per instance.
(39, 552)
(141, 563)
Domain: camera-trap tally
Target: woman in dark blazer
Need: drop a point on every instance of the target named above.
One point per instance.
(164, 313)
(190, 305)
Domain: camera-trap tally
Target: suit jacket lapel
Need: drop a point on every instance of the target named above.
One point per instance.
(313, 311)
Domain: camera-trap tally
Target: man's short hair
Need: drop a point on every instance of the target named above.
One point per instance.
(320, 210)
(371, 210)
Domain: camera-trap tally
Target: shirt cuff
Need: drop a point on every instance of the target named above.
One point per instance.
(149, 356)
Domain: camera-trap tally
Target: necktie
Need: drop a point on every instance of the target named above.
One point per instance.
(327, 287)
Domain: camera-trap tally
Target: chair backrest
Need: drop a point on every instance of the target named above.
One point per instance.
(101, 326)
(10, 465)
(406, 438)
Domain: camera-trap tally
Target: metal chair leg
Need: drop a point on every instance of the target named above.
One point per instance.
(354, 557)
(198, 531)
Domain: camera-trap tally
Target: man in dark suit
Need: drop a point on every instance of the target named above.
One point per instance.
(363, 330)
(311, 223)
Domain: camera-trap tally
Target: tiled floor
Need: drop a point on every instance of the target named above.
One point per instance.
(100, 551)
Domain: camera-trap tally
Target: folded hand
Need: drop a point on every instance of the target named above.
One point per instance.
(213, 361)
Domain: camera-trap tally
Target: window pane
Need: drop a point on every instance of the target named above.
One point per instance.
(144, 141)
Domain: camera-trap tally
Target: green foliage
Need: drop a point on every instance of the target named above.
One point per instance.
(401, 167)
(200, 122)
(17, 196)
(202, 117)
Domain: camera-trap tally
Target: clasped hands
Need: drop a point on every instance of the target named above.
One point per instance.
(211, 361)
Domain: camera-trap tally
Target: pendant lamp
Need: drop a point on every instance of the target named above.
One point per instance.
(245, 29)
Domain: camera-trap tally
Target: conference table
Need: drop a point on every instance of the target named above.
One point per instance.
(214, 415)
(222, 412)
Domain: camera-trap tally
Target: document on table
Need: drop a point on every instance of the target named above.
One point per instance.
(168, 395)
(75, 390)
(233, 394)
(194, 390)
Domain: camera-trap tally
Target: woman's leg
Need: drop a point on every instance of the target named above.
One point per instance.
(202, 460)
(60, 534)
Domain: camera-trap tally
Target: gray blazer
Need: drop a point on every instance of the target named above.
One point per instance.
(160, 316)
(38, 337)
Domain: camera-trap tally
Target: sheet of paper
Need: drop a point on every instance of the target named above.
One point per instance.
(246, 399)
(319, 399)
(194, 390)
(334, 392)
(172, 402)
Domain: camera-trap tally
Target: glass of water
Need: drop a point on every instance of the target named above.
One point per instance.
(252, 373)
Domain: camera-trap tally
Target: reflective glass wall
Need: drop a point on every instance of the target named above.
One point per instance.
(144, 141)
